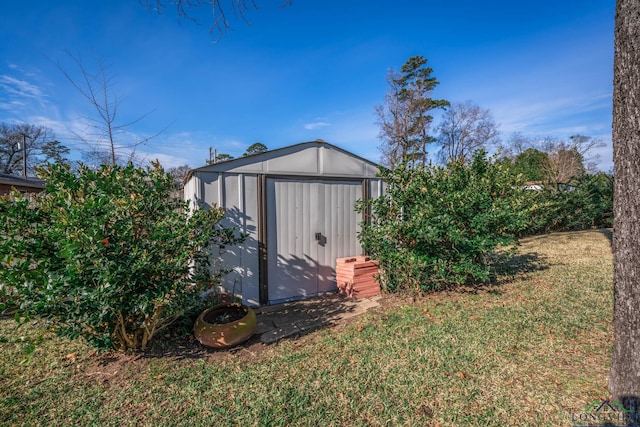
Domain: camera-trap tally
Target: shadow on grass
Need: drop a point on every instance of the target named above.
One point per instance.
(298, 318)
(519, 264)
(508, 267)
(608, 233)
(275, 323)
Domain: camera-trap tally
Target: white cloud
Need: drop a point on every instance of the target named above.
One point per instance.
(166, 160)
(187, 147)
(316, 125)
(12, 105)
(58, 126)
(526, 115)
(21, 88)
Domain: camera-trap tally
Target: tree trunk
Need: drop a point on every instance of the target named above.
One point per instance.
(624, 378)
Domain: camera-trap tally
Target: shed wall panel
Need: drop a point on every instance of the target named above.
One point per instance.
(310, 223)
(190, 191)
(336, 164)
(304, 162)
(240, 200)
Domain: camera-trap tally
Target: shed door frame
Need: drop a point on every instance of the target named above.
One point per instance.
(263, 256)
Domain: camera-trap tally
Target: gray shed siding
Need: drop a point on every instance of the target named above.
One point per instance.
(310, 223)
(308, 188)
(237, 193)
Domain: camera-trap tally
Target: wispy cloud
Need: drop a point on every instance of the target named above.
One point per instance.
(20, 94)
(544, 116)
(353, 129)
(21, 88)
(189, 147)
(12, 105)
(316, 125)
(166, 160)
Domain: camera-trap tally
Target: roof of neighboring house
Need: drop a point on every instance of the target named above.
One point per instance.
(21, 183)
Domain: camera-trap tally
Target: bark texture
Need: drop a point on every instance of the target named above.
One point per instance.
(624, 378)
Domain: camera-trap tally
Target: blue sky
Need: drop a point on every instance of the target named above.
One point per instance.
(314, 69)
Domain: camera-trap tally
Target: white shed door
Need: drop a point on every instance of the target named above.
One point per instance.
(310, 223)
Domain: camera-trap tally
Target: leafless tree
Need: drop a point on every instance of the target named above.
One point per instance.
(585, 145)
(624, 378)
(393, 122)
(40, 146)
(465, 128)
(105, 137)
(216, 11)
(567, 160)
(516, 144)
(563, 160)
(562, 165)
(179, 172)
(404, 117)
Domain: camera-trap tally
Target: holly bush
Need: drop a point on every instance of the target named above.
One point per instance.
(437, 227)
(108, 254)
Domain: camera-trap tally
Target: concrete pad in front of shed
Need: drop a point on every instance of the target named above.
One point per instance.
(276, 334)
(284, 320)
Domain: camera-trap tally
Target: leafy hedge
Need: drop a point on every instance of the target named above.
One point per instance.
(437, 227)
(587, 204)
(107, 254)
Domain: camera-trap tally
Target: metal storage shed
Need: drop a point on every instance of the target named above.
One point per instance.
(297, 206)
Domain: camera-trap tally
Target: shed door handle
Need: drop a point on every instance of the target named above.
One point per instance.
(318, 236)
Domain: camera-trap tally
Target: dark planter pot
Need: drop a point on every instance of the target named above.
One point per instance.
(213, 328)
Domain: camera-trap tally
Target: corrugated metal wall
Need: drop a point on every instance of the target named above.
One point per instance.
(310, 223)
(237, 193)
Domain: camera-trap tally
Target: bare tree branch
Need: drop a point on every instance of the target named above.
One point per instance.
(464, 129)
(564, 160)
(97, 89)
(567, 159)
(218, 11)
(41, 147)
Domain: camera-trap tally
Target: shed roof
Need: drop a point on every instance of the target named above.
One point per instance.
(314, 158)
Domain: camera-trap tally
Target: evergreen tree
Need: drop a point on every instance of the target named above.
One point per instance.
(405, 117)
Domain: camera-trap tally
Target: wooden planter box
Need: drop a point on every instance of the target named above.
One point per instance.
(355, 277)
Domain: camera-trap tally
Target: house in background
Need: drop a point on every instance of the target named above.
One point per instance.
(24, 185)
(541, 185)
(296, 204)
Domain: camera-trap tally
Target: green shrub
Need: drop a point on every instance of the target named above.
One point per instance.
(107, 254)
(587, 204)
(436, 227)
(17, 220)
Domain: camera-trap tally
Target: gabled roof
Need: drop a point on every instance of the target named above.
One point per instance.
(313, 158)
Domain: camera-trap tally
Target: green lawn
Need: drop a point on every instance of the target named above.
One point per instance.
(528, 351)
